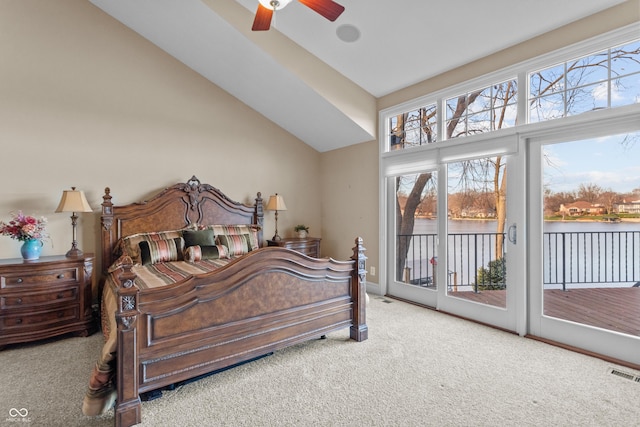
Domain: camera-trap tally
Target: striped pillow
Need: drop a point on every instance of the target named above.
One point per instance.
(234, 230)
(130, 245)
(238, 244)
(165, 250)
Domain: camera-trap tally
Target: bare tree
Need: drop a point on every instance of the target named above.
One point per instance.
(608, 198)
(406, 218)
(589, 192)
(496, 100)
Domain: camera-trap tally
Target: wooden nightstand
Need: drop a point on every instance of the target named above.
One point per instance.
(308, 245)
(44, 298)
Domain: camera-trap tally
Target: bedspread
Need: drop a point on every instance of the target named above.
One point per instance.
(101, 394)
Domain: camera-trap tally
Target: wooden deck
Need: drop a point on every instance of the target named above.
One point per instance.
(616, 309)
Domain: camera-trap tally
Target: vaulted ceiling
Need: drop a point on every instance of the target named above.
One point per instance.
(304, 76)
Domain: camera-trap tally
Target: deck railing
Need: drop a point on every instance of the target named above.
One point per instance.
(468, 254)
(570, 258)
(611, 257)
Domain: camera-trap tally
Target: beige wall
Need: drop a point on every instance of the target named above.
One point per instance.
(86, 102)
(350, 201)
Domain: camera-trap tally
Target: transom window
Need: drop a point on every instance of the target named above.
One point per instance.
(494, 107)
(414, 128)
(608, 78)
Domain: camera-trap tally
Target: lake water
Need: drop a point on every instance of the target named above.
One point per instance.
(589, 253)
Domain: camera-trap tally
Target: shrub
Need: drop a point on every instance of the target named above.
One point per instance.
(494, 277)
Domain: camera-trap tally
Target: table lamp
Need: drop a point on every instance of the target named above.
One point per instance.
(276, 203)
(74, 201)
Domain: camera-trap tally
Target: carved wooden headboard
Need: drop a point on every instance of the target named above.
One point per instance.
(173, 208)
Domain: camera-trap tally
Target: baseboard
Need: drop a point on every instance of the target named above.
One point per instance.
(586, 352)
(373, 288)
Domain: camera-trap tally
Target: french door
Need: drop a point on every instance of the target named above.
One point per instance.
(453, 233)
(554, 267)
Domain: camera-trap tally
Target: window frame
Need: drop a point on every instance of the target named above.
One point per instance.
(516, 72)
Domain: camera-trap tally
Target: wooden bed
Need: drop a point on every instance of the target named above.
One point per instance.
(256, 304)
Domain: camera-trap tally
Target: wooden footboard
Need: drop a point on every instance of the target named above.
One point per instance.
(265, 301)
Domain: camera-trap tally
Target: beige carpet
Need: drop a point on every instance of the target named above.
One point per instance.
(418, 368)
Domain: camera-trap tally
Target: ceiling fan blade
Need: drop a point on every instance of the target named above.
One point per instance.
(262, 21)
(327, 8)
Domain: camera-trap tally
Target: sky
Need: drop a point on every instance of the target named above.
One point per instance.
(606, 162)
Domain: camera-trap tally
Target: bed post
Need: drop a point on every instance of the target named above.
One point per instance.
(107, 231)
(258, 216)
(359, 330)
(127, 412)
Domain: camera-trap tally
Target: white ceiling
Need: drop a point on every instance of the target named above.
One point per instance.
(401, 42)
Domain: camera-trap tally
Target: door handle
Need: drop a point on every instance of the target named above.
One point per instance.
(512, 233)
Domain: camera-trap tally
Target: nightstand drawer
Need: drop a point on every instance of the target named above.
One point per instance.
(34, 299)
(39, 319)
(27, 279)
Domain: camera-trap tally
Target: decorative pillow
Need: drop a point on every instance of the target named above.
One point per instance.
(198, 253)
(199, 237)
(238, 244)
(234, 230)
(122, 260)
(130, 245)
(155, 251)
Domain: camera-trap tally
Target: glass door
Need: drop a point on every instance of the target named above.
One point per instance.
(452, 228)
(585, 235)
(480, 270)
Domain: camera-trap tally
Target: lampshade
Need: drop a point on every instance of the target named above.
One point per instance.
(73, 201)
(276, 203)
(274, 5)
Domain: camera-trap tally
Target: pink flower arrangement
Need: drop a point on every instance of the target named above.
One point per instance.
(24, 227)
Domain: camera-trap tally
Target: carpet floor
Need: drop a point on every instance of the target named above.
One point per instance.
(418, 368)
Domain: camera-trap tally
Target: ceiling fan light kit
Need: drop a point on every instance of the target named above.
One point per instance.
(274, 4)
(262, 22)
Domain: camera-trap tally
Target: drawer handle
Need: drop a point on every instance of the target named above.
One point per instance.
(19, 301)
(61, 276)
(18, 321)
(60, 314)
(19, 280)
(60, 295)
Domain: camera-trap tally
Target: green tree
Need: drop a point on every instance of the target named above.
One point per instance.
(493, 277)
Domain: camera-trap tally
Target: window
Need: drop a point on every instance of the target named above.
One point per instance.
(494, 107)
(606, 79)
(413, 128)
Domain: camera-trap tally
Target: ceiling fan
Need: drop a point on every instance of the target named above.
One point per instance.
(327, 8)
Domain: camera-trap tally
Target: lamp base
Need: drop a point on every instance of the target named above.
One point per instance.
(276, 238)
(74, 253)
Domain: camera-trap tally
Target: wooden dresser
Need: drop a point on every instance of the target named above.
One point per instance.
(308, 245)
(44, 298)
